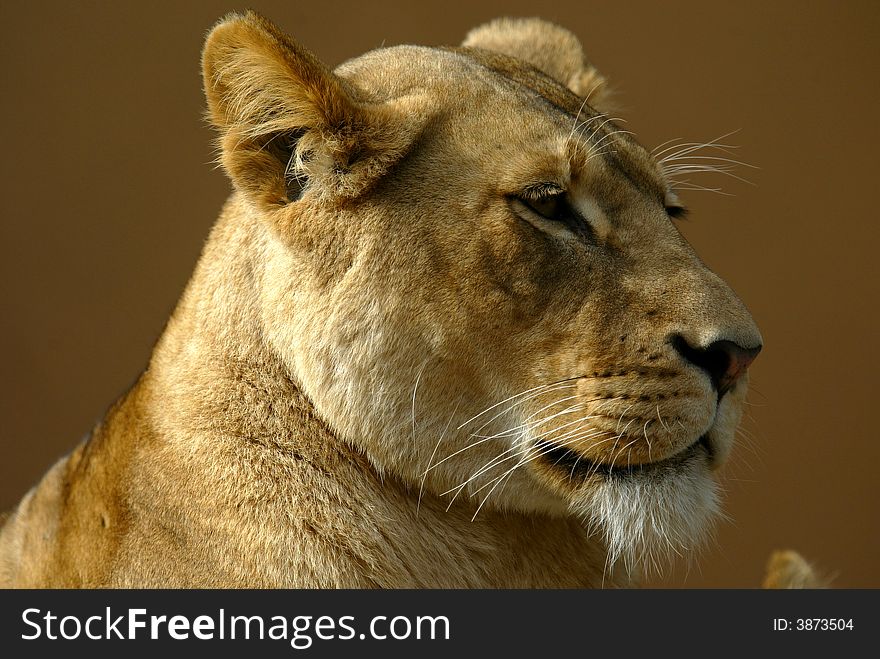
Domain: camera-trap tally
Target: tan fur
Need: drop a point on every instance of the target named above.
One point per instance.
(338, 398)
(549, 48)
(788, 569)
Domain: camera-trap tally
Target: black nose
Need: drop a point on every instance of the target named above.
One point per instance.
(724, 361)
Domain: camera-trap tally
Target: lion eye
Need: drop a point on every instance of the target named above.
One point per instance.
(551, 207)
(676, 212)
(552, 204)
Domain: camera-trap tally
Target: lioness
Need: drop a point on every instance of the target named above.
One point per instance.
(443, 334)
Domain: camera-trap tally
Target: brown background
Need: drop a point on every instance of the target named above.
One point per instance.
(107, 194)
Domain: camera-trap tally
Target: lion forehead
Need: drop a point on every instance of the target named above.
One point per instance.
(457, 81)
(388, 73)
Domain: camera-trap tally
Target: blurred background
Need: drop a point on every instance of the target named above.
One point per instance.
(108, 193)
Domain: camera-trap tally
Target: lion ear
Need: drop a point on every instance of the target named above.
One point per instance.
(285, 120)
(549, 48)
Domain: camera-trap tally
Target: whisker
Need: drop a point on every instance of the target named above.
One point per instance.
(647, 441)
(465, 448)
(434, 453)
(499, 459)
(623, 414)
(574, 125)
(714, 158)
(528, 426)
(690, 147)
(515, 429)
(597, 145)
(530, 454)
(660, 418)
(660, 146)
(522, 393)
(491, 437)
(678, 169)
(688, 185)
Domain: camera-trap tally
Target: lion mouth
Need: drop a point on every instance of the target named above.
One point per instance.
(575, 464)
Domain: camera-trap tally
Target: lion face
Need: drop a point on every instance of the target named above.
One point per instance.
(476, 278)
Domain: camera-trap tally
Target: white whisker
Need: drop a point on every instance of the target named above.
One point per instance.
(433, 454)
(523, 393)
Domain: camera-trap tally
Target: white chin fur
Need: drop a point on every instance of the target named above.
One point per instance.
(650, 517)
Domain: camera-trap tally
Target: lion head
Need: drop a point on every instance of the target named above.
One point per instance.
(474, 275)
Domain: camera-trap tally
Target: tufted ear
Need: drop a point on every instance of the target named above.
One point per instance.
(285, 120)
(547, 47)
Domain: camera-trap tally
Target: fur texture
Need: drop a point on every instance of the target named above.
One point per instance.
(788, 569)
(432, 340)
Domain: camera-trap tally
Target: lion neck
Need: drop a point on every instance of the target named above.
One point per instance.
(213, 367)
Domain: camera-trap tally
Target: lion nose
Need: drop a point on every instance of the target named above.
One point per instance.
(724, 361)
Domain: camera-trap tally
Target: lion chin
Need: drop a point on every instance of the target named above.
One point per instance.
(648, 516)
(444, 333)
